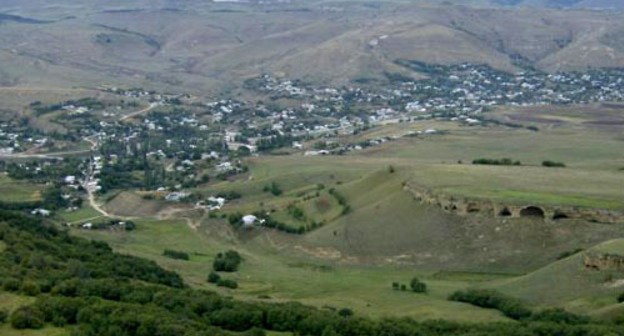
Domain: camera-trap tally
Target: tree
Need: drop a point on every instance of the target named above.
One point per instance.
(418, 286)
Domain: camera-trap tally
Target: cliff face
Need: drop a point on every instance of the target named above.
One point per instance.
(464, 206)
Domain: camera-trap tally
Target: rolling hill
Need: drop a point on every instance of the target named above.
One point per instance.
(213, 46)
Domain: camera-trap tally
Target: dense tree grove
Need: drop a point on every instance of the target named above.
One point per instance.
(85, 286)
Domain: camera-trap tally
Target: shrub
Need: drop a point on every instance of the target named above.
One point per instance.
(558, 315)
(11, 284)
(418, 286)
(235, 219)
(3, 315)
(273, 189)
(176, 254)
(566, 254)
(227, 262)
(130, 226)
(27, 318)
(496, 162)
(30, 288)
(228, 283)
(510, 307)
(554, 164)
(213, 277)
(345, 312)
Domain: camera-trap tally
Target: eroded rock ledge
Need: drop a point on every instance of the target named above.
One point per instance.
(464, 206)
(604, 261)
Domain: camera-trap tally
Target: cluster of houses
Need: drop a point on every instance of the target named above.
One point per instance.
(15, 139)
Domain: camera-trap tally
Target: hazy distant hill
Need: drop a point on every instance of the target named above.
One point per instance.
(202, 45)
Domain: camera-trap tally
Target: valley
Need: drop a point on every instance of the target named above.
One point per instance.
(318, 168)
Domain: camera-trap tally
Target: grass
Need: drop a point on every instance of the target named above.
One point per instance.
(6, 330)
(570, 284)
(85, 213)
(291, 277)
(11, 301)
(13, 191)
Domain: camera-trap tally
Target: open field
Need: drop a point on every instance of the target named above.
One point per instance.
(267, 273)
(12, 191)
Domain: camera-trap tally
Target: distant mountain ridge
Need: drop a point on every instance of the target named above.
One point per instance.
(571, 4)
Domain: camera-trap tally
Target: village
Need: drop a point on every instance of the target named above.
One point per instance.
(172, 142)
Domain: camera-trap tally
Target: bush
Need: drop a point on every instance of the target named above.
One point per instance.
(3, 315)
(213, 277)
(345, 312)
(27, 318)
(418, 286)
(130, 226)
(11, 285)
(273, 189)
(227, 262)
(554, 164)
(30, 288)
(558, 315)
(566, 254)
(510, 307)
(176, 254)
(496, 162)
(235, 219)
(228, 283)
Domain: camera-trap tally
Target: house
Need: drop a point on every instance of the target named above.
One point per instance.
(249, 220)
(176, 196)
(225, 166)
(215, 203)
(41, 212)
(87, 226)
(70, 179)
(315, 153)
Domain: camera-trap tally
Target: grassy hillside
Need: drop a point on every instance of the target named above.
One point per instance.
(569, 283)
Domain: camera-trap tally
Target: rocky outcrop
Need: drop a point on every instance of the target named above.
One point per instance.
(464, 206)
(599, 262)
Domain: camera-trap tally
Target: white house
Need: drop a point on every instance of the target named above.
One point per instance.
(41, 212)
(249, 220)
